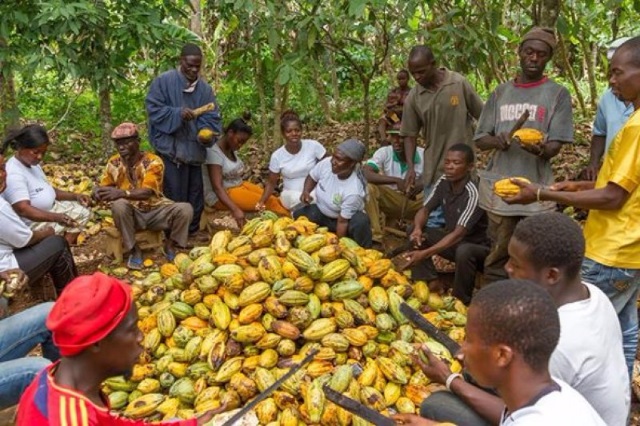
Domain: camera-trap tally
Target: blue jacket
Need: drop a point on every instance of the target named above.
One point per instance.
(168, 133)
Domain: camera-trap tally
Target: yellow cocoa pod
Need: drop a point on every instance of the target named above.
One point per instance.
(250, 313)
(169, 269)
(205, 135)
(504, 187)
(528, 136)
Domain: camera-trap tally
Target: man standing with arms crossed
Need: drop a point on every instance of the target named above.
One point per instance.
(442, 106)
(174, 128)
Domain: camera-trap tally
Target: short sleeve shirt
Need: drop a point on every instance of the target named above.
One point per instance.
(28, 184)
(549, 106)
(147, 173)
(386, 160)
(460, 209)
(443, 116)
(613, 236)
(337, 197)
(15, 234)
(294, 168)
(232, 171)
(611, 115)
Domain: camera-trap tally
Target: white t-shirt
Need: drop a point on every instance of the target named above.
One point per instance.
(15, 234)
(337, 197)
(386, 160)
(232, 172)
(563, 407)
(294, 168)
(28, 183)
(589, 356)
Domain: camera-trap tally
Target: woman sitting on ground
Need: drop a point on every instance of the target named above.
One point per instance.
(31, 252)
(222, 174)
(35, 200)
(293, 161)
(340, 194)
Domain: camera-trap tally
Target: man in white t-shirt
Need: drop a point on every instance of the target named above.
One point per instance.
(512, 330)
(385, 172)
(548, 249)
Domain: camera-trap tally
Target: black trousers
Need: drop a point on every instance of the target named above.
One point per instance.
(359, 225)
(50, 256)
(183, 183)
(468, 257)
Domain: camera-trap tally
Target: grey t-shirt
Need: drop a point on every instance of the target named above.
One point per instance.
(231, 172)
(549, 106)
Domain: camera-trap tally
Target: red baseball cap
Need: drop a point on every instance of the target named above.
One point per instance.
(89, 308)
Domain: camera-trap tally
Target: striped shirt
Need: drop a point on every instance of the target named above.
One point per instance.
(44, 403)
(460, 209)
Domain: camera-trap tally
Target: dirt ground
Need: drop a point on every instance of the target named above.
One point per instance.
(90, 257)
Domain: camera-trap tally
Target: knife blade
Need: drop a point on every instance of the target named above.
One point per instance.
(356, 408)
(433, 331)
(268, 391)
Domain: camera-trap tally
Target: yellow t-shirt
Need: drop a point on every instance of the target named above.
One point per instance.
(613, 236)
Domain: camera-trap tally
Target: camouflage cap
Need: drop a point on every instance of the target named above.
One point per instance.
(125, 131)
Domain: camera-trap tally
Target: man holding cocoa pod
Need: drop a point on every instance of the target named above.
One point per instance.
(546, 107)
(611, 230)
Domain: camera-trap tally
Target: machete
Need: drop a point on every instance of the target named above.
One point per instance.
(356, 408)
(268, 391)
(433, 331)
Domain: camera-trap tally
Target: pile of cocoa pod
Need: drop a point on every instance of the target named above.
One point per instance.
(225, 321)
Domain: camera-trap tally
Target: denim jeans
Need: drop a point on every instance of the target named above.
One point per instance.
(359, 228)
(19, 334)
(436, 217)
(621, 287)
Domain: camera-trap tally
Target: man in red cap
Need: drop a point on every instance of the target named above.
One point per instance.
(94, 325)
(132, 182)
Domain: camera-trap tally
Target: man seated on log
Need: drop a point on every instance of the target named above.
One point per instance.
(548, 249)
(19, 335)
(132, 182)
(95, 325)
(463, 238)
(385, 173)
(512, 331)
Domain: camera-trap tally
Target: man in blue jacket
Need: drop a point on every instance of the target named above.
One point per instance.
(174, 124)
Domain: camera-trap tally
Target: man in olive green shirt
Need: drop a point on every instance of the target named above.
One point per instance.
(442, 107)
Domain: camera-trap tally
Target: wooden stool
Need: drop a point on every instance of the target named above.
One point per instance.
(208, 214)
(146, 240)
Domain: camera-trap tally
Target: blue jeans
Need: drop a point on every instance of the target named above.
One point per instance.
(436, 217)
(621, 287)
(444, 406)
(19, 334)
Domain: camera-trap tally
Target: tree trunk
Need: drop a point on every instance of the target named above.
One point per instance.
(572, 76)
(9, 112)
(264, 114)
(335, 87)
(366, 83)
(322, 96)
(590, 56)
(105, 119)
(195, 23)
(550, 9)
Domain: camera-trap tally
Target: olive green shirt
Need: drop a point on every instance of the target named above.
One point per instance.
(445, 117)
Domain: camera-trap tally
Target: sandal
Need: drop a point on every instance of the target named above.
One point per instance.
(134, 263)
(169, 254)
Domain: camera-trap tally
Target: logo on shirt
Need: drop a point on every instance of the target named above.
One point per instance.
(455, 101)
(337, 199)
(512, 112)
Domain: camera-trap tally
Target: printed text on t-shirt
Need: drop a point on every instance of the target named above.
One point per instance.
(512, 112)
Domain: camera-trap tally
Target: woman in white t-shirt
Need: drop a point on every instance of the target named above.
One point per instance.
(292, 161)
(34, 253)
(340, 192)
(224, 188)
(33, 198)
